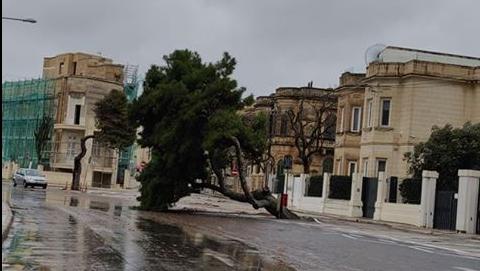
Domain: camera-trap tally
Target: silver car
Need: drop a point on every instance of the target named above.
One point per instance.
(29, 177)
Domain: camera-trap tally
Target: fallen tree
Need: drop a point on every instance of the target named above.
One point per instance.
(189, 108)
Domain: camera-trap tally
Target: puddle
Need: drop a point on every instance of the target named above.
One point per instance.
(196, 251)
(99, 205)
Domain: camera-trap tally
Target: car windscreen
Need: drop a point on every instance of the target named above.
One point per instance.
(32, 172)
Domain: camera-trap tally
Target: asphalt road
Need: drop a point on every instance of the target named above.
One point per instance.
(54, 230)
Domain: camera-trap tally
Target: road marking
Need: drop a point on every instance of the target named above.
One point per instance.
(421, 249)
(464, 268)
(355, 235)
(318, 221)
(387, 241)
(348, 236)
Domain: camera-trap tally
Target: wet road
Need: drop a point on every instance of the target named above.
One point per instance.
(57, 231)
(54, 230)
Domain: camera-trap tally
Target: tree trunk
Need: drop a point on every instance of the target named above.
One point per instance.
(263, 195)
(77, 163)
(261, 198)
(306, 165)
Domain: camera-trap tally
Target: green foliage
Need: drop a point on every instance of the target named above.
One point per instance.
(188, 107)
(112, 119)
(411, 190)
(249, 100)
(447, 150)
(43, 135)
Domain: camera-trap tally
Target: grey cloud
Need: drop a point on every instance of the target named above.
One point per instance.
(277, 43)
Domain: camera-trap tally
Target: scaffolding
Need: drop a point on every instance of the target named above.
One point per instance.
(131, 84)
(24, 104)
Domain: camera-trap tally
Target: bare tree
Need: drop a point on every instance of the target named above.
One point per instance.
(312, 124)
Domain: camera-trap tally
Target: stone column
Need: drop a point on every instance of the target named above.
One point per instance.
(325, 190)
(427, 202)
(468, 186)
(356, 204)
(381, 193)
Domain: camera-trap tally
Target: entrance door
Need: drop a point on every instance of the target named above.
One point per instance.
(445, 215)
(369, 196)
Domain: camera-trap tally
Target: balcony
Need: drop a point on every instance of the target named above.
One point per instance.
(62, 160)
(65, 126)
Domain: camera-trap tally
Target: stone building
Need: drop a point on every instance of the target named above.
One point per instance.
(350, 96)
(282, 136)
(82, 80)
(402, 95)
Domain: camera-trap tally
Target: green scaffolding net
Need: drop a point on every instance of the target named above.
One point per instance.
(24, 104)
(130, 87)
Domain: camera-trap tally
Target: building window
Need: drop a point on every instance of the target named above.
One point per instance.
(71, 147)
(78, 109)
(96, 150)
(385, 113)
(365, 167)
(342, 117)
(369, 112)
(284, 125)
(381, 165)
(330, 122)
(339, 166)
(60, 68)
(352, 167)
(74, 68)
(356, 117)
(327, 165)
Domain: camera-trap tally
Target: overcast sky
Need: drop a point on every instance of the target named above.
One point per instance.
(276, 43)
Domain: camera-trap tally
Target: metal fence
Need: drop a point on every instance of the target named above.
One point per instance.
(340, 187)
(314, 186)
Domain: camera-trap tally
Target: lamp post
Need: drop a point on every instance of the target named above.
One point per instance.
(27, 20)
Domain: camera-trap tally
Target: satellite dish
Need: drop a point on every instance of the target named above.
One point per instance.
(373, 52)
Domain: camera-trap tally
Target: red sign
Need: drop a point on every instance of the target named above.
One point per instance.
(234, 169)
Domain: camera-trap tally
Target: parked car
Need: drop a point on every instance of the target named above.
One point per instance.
(29, 177)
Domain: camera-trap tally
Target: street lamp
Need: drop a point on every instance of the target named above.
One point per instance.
(27, 20)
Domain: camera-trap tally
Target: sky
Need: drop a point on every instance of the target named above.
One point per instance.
(277, 43)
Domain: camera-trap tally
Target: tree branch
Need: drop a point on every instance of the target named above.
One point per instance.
(243, 182)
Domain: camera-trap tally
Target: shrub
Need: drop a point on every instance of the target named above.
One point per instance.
(411, 190)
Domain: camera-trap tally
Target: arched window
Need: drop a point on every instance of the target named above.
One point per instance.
(327, 166)
(280, 170)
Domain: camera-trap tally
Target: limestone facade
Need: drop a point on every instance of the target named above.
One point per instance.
(281, 134)
(82, 80)
(405, 93)
(350, 95)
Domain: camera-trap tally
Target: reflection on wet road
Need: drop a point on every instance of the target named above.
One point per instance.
(54, 230)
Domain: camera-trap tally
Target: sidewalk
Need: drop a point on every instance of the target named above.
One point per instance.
(397, 226)
(216, 203)
(7, 218)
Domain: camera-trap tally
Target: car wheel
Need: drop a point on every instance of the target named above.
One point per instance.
(44, 186)
(25, 184)
(14, 183)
